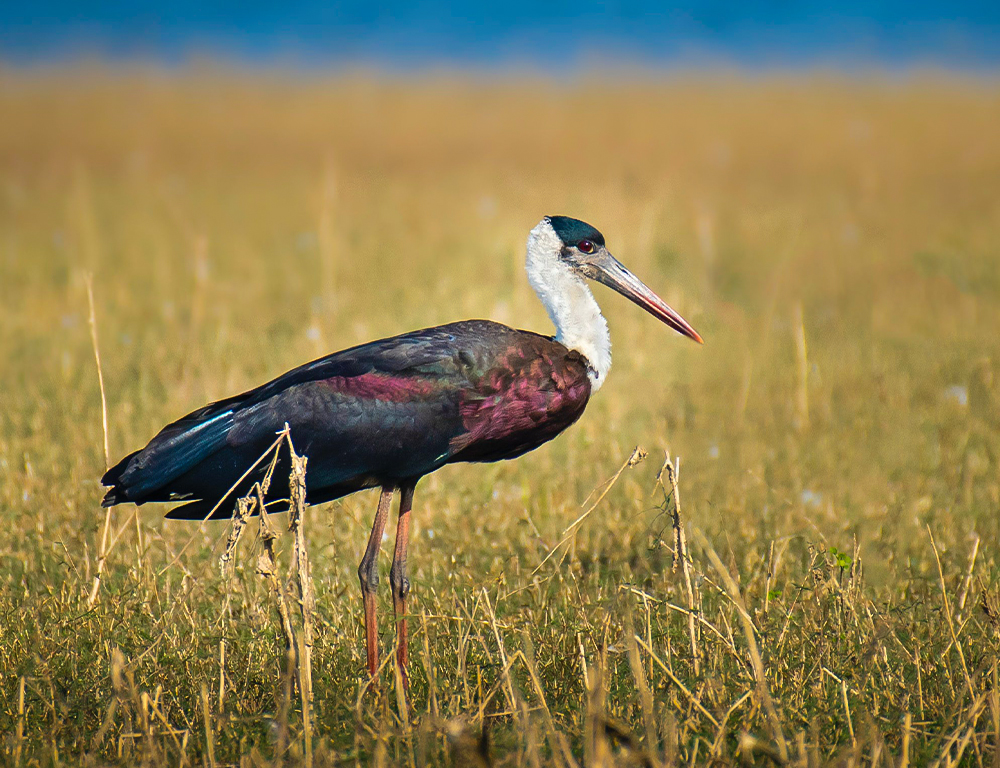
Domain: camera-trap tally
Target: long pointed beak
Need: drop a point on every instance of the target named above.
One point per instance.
(608, 270)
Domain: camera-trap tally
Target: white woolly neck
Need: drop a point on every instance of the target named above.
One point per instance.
(569, 302)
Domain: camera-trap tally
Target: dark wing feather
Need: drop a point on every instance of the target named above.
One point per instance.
(383, 412)
(356, 409)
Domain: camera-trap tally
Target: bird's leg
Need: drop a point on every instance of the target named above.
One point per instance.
(400, 583)
(368, 574)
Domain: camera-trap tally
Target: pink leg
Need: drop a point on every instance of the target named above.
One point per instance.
(400, 583)
(368, 574)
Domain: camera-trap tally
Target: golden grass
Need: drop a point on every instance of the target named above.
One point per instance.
(837, 243)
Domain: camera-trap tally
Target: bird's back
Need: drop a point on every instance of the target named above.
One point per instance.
(376, 414)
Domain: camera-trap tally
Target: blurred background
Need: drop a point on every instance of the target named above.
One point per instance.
(549, 37)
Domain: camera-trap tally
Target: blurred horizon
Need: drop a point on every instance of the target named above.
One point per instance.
(556, 38)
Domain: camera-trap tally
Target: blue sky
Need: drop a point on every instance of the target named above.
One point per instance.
(556, 35)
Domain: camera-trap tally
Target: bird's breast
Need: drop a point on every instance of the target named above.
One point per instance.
(528, 396)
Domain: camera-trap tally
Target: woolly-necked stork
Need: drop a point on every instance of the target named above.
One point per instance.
(389, 412)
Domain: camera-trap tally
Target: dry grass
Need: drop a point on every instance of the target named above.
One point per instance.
(837, 244)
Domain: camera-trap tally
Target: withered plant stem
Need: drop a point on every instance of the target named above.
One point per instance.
(103, 554)
(681, 557)
(306, 593)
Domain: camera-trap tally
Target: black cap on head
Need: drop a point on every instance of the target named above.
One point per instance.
(572, 231)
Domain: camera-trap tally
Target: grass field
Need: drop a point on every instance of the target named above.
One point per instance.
(836, 242)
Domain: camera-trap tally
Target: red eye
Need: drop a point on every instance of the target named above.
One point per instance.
(585, 246)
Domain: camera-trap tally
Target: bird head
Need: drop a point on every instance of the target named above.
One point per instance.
(581, 248)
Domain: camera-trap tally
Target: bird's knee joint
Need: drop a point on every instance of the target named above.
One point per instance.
(368, 578)
(400, 583)
(403, 587)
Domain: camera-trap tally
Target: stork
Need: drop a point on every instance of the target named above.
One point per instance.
(386, 413)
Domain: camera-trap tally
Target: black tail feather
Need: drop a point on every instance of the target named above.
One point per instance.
(112, 479)
(149, 474)
(114, 475)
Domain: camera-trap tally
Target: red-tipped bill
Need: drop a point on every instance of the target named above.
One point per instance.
(608, 270)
